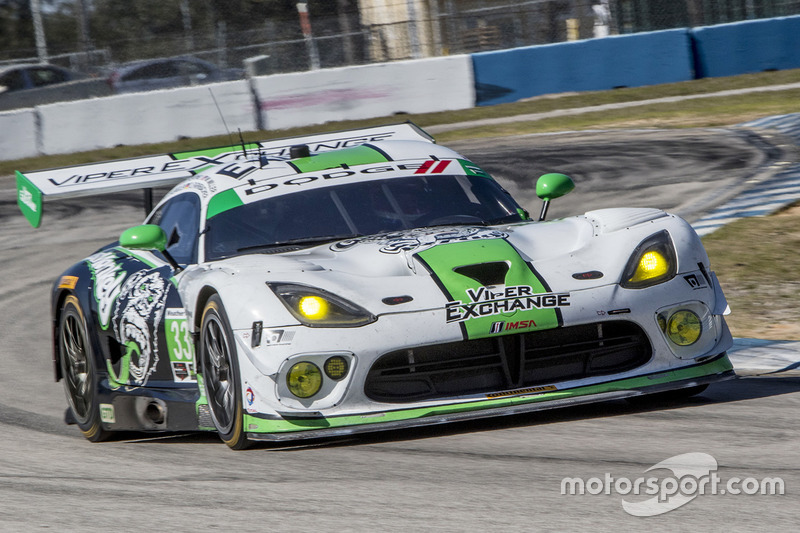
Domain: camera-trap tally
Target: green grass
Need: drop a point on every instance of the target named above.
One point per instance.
(697, 113)
(757, 263)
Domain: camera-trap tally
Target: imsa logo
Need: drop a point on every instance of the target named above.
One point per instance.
(498, 327)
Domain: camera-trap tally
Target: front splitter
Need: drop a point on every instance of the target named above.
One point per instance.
(297, 428)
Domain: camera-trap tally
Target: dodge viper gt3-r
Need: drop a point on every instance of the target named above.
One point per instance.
(366, 280)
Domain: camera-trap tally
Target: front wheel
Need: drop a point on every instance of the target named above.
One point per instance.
(78, 370)
(221, 374)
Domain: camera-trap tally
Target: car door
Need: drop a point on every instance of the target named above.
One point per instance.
(153, 345)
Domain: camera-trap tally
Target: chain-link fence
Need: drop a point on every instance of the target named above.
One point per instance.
(468, 26)
(350, 32)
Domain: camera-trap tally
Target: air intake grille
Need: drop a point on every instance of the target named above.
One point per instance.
(508, 362)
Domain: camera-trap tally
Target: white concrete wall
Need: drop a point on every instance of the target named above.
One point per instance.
(141, 118)
(284, 101)
(367, 91)
(18, 134)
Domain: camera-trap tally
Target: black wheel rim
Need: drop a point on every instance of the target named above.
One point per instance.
(77, 367)
(218, 375)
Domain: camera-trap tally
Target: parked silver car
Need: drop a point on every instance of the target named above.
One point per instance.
(152, 74)
(30, 76)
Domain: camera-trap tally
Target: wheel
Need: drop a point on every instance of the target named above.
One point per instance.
(221, 375)
(78, 371)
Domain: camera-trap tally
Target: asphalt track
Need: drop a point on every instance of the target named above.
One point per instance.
(492, 475)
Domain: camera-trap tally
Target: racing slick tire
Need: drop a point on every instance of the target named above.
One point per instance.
(78, 370)
(221, 379)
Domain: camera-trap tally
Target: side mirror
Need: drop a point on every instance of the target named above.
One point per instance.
(552, 186)
(144, 237)
(148, 237)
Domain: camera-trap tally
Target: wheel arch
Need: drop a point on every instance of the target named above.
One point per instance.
(59, 297)
(81, 289)
(203, 296)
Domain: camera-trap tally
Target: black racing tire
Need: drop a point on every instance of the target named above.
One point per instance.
(78, 370)
(220, 368)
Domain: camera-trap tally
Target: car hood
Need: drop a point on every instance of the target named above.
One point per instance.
(579, 252)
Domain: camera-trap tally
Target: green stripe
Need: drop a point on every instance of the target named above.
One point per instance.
(358, 155)
(259, 425)
(519, 280)
(222, 202)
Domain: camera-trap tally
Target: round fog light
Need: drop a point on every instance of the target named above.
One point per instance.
(304, 379)
(336, 367)
(684, 328)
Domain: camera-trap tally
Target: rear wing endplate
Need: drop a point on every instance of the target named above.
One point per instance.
(170, 169)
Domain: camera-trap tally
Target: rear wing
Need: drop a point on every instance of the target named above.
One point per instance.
(170, 169)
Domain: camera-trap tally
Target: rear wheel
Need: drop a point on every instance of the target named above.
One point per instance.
(78, 370)
(221, 374)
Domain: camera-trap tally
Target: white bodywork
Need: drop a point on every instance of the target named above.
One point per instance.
(574, 273)
(600, 240)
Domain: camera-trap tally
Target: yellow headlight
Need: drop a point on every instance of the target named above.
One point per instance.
(313, 307)
(684, 328)
(304, 379)
(652, 265)
(654, 261)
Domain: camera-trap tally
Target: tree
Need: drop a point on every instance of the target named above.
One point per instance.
(16, 29)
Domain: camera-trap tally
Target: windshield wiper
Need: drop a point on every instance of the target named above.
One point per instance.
(300, 242)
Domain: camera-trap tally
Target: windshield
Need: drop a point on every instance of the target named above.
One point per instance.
(356, 209)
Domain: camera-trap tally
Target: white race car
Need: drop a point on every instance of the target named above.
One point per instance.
(366, 280)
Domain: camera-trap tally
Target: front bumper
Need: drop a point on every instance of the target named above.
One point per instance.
(268, 428)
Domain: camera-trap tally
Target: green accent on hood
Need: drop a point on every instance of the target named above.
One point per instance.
(222, 202)
(213, 152)
(29, 200)
(357, 155)
(260, 425)
(515, 306)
